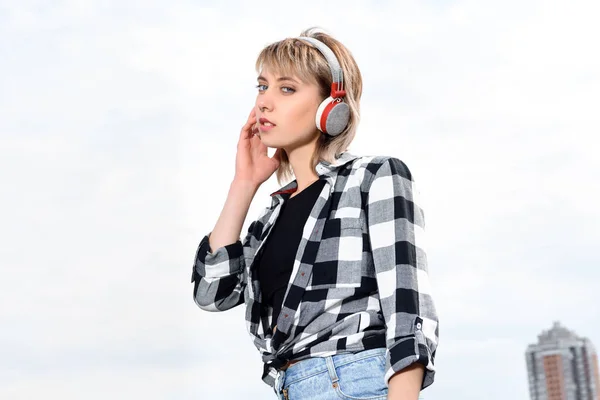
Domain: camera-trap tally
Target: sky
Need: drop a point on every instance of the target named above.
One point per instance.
(118, 129)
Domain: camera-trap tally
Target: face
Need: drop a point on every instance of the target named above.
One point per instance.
(286, 108)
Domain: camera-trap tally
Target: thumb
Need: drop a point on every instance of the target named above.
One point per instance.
(277, 157)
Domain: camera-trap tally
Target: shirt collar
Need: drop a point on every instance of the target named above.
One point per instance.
(324, 169)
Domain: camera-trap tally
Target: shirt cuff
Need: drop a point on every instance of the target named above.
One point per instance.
(224, 261)
(407, 351)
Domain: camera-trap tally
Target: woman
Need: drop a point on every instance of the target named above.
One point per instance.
(333, 273)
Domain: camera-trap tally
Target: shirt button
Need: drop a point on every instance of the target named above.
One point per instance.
(418, 325)
(302, 273)
(286, 315)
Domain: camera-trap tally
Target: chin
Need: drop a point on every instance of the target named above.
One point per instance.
(268, 139)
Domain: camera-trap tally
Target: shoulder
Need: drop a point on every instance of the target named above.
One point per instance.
(369, 167)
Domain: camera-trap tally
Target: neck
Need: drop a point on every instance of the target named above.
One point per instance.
(300, 161)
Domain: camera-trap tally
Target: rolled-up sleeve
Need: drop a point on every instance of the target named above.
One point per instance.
(218, 276)
(396, 231)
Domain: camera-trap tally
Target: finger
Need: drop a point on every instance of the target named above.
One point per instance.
(256, 145)
(276, 159)
(252, 113)
(262, 148)
(277, 155)
(247, 130)
(253, 130)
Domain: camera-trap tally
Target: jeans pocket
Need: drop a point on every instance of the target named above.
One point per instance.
(363, 379)
(315, 385)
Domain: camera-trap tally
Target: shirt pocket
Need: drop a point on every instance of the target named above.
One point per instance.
(338, 263)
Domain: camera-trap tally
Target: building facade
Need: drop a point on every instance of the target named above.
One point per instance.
(562, 366)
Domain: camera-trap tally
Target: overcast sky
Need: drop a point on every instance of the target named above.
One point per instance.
(118, 129)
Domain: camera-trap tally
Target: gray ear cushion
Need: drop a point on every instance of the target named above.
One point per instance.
(338, 119)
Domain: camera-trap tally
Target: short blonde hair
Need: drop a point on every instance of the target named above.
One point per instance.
(292, 56)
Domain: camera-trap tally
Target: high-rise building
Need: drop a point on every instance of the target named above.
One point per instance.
(562, 366)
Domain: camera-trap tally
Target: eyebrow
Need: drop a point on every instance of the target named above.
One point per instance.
(283, 78)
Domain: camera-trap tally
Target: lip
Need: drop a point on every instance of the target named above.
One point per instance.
(264, 128)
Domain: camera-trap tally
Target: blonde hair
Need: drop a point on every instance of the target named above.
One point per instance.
(295, 57)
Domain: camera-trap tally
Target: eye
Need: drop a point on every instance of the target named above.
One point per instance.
(261, 88)
(289, 89)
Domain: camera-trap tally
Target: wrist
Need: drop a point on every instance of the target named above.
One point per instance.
(243, 185)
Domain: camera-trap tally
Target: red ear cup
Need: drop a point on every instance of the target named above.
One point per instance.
(332, 116)
(333, 113)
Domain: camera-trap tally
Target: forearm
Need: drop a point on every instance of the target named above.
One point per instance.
(406, 384)
(229, 225)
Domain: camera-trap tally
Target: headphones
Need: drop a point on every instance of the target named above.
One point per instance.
(333, 113)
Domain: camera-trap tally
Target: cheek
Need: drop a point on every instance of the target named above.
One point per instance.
(305, 123)
(306, 114)
(299, 115)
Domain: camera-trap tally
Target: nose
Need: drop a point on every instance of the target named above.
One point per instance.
(264, 102)
(264, 106)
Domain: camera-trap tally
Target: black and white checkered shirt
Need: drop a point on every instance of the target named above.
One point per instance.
(359, 280)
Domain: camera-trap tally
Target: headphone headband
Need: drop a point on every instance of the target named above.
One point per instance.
(333, 114)
(334, 65)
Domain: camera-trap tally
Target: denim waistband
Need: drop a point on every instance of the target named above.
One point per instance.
(315, 365)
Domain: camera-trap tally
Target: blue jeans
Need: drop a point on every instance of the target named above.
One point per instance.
(342, 376)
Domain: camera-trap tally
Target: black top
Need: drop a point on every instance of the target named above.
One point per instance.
(276, 262)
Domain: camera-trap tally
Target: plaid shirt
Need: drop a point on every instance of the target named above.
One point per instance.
(359, 280)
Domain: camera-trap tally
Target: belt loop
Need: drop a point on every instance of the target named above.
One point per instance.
(331, 368)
